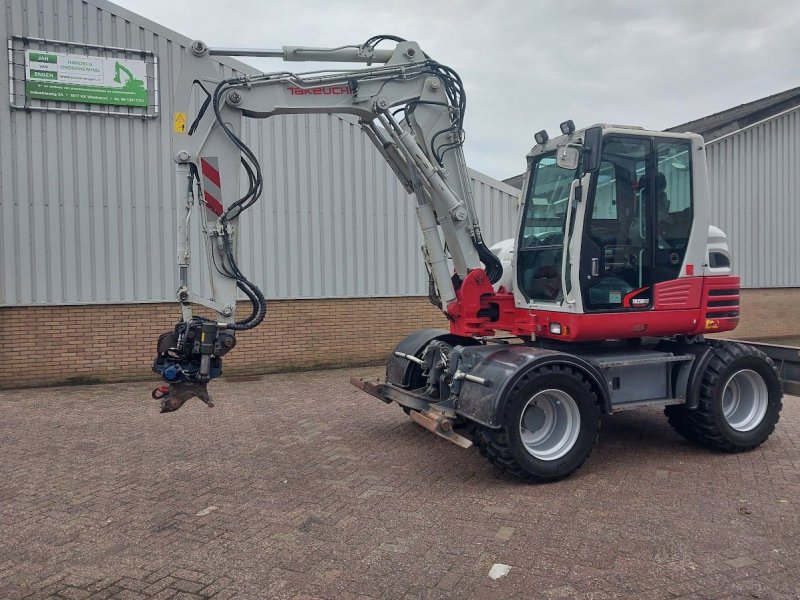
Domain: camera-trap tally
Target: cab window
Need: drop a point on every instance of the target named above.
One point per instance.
(616, 242)
(673, 207)
(541, 242)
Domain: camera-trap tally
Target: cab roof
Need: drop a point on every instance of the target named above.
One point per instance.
(553, 143)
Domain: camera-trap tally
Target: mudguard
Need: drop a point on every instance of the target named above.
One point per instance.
(696, 376)
(703, 354)
(398, 370)
(504, 366)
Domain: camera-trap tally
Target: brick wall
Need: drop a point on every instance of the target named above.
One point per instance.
(54, 344)
(768, 313)
(116, 342)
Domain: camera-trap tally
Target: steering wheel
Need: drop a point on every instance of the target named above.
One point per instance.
(530, 241)
(552, 238)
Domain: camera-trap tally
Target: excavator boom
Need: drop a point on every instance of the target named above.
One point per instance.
(410, 106)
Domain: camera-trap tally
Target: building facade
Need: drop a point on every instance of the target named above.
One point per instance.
(754, 177)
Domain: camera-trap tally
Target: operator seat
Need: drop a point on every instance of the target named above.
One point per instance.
(661, 205)
(662, 201)
(671, 230)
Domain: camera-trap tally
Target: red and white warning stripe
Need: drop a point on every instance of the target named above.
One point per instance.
(212, 191)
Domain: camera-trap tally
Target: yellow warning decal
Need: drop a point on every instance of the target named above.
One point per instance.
(180, 122)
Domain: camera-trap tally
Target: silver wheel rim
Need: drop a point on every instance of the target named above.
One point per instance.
(550, 424)
(744, 400)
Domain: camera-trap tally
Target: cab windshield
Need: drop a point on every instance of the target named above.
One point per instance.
(540, 246)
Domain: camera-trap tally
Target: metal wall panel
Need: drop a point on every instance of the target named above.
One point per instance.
(754, 176)
(86, 213)
(334, 221)
(87, 201)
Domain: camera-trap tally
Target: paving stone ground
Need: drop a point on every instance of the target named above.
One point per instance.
(300, 486)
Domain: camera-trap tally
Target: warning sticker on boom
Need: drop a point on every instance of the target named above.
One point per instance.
(179, 122)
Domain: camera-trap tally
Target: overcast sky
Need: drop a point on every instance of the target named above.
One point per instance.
(530, 65)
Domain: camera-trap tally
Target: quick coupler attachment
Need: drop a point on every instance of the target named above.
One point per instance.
(174, 395)
(187, 358)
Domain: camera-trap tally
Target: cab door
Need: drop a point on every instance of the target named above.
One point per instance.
(616, 253)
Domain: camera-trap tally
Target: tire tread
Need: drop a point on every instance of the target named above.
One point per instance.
(493, 444)
(700, 425)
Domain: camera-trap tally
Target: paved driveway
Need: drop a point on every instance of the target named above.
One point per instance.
(300, 486)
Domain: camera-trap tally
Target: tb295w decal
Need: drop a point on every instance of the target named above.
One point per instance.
(631, 301)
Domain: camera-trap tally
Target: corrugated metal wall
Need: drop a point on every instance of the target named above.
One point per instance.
(86, 201)
(334, 221)
(754, 176)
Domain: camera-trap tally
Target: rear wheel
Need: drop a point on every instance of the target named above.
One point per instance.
(551, 423)
(740, 401)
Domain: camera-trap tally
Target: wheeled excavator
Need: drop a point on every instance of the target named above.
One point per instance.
(601, 303)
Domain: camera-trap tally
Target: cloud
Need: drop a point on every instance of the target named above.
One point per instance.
(530, 65)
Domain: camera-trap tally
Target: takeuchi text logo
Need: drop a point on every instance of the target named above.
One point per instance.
(331, 90)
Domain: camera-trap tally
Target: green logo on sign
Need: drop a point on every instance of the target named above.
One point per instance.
(43, 57)
(132, 83)
(51, 75)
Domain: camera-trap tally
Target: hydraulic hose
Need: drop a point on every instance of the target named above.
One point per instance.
(492, 264)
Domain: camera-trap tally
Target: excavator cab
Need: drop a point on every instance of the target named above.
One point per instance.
(615, 225)
(629, 232)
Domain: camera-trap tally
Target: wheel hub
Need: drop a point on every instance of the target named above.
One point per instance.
(550, 424)
(744, 400)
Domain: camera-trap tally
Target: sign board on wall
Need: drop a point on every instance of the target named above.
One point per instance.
(87, 79)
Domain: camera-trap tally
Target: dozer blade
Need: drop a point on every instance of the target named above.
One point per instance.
(436, 426)
(416, 405)
(372, 387)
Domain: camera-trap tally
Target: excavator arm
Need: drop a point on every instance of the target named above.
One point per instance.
(410, 106)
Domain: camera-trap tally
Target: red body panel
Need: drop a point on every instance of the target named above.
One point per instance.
(720, 304)
(677, 294)
(688, 306)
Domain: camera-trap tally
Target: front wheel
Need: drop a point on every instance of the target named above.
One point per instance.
(552, 421)
(740, 401)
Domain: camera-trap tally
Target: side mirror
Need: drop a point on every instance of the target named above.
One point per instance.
(592, 143)
(567, 157)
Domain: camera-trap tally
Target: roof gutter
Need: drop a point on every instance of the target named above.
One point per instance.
(756, 124)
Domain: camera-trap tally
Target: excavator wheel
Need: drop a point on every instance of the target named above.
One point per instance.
(740, 401)
(552, 421)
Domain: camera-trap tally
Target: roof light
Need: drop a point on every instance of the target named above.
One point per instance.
(567, 127)
(541, 137)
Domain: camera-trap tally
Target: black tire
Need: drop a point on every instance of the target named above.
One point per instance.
(505, 448)
(707, 424)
